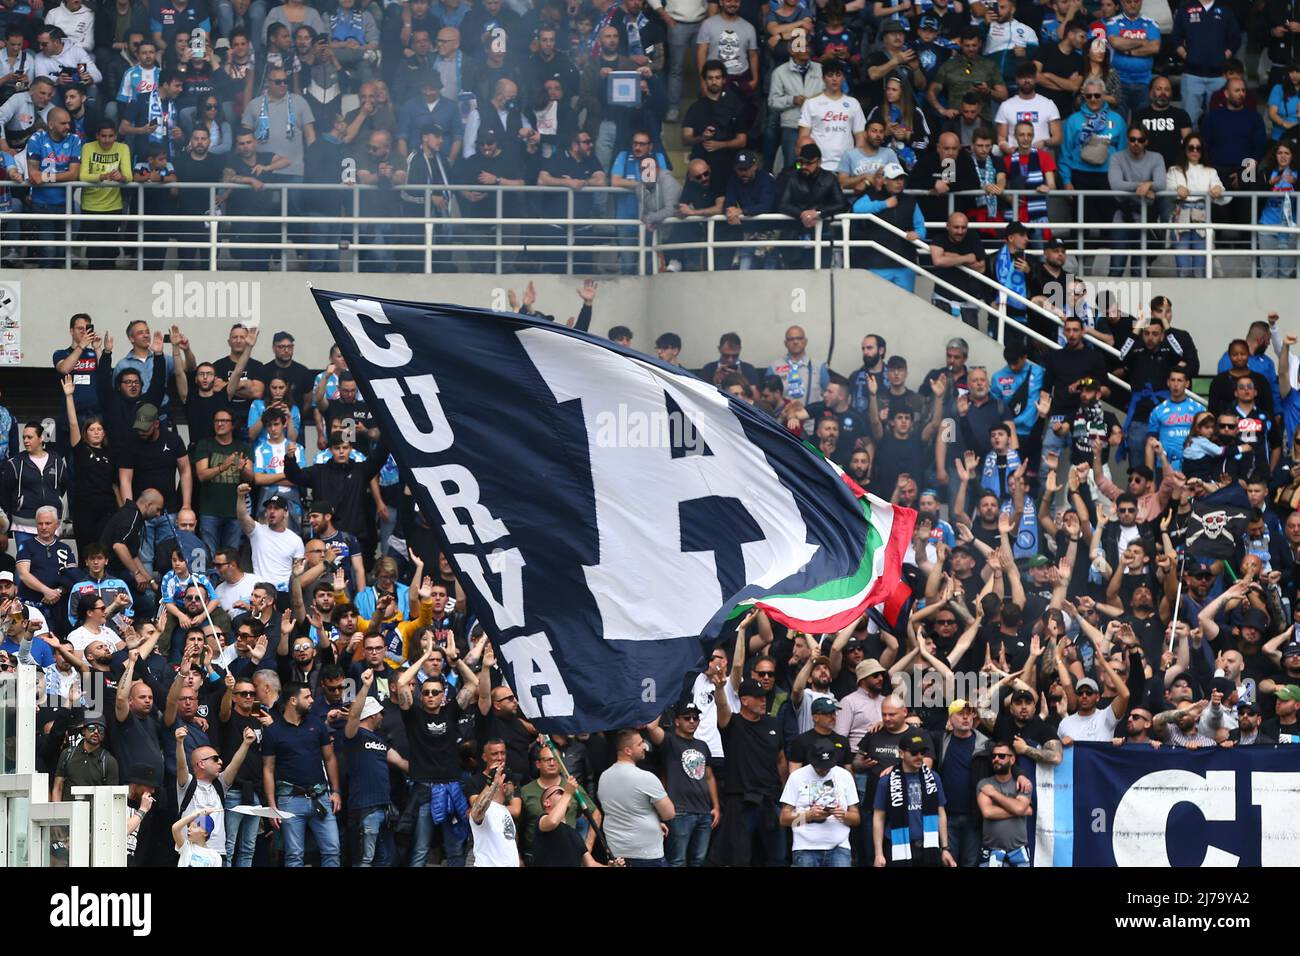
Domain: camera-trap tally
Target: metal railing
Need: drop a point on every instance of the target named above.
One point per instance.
(436, 237)
(427, 238)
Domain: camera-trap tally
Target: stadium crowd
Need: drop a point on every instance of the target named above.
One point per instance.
(911, 110)
(253, 628)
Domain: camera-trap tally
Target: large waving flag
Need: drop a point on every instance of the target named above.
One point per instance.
(606, 513)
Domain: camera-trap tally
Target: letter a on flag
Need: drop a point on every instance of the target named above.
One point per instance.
(607, 514)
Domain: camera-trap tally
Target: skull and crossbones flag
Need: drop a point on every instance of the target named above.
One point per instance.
(1214, 530)
(607, 514)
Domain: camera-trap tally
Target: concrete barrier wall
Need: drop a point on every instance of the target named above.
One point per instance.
(698, 306)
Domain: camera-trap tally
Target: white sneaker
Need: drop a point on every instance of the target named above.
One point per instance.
(674, 265)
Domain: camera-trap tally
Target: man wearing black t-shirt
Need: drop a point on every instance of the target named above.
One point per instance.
(575, 168)
(432, 732)
(716, 117)
(1061, 66)
(900, 452)
(689, 782)
(499, 718)
(489, 166)
(247, 167)
(823, 731)
(1033, 739)
(299, 377)
(241, 340)
(957, 246)
(1167, 126)
(195, 164)
(756, 771)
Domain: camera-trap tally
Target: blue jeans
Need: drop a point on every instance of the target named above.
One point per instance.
(241, 831)
(1196, 93)
(839, 856)
(378, 259)
(294, 831)
(218, 533)
(1190, 267)
(688, 839)
(45, 230)
(154, 530)
(772, 838)
(452, 846)
(632, 862)
(965, 830)
(1276, 267)
(1133, 97)
(371, 841)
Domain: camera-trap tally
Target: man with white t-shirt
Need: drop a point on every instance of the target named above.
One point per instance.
(236, 587)
(833, 120)
(274, 546)
(495, 835)
(1091, 722)
(1028, 106)
(704, 696)
(812, 682)
(206, 791)
(820, 804)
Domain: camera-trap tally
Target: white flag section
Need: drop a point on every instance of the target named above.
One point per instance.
(639, 488)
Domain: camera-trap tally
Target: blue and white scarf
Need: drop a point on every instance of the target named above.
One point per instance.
(263, 131)
(988, 177)
(1025, 171)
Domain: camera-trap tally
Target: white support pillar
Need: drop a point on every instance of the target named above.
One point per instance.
(108, 815)
(42, 818)
(19, 792)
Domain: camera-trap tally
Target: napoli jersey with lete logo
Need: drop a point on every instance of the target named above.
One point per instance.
(1171, 422)
(53, 157)
(1132, 69)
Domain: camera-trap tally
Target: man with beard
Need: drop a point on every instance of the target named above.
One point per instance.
(873, 366)
(500, 718)
(1248, 626)
(948, 169)
(812, 683)
(836, 406)
(433, 735)
(1249, 730)
(1032, 738)
(300, 774)
(824, 713)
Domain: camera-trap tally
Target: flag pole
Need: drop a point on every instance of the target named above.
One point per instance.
(583, 805)
(1178, 598)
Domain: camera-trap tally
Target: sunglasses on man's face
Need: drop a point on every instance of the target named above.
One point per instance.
(1137, 139)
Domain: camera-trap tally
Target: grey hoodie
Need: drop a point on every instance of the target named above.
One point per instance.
(1126, 172)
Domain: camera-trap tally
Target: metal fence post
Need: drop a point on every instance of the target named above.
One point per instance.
(139, 229)
(67, 226)
(569, 229)
(497, 190)
(817, 244)
(708, 240)
(356, 231)
(1209, 237)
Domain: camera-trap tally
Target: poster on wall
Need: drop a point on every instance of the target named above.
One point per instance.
(11, 351)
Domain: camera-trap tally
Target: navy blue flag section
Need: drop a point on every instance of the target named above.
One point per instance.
(606, 513)
(1134, 806)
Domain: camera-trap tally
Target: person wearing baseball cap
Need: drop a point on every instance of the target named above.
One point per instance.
(190, 834)
(1284, 725)
(909, 819)
(756, 764)
(820, 804)
(1033, 739)
(87, 765)
(809, 195)
(901, 211)
(824, 712)
(1091, 722)
(751, 191)
(690, 784)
